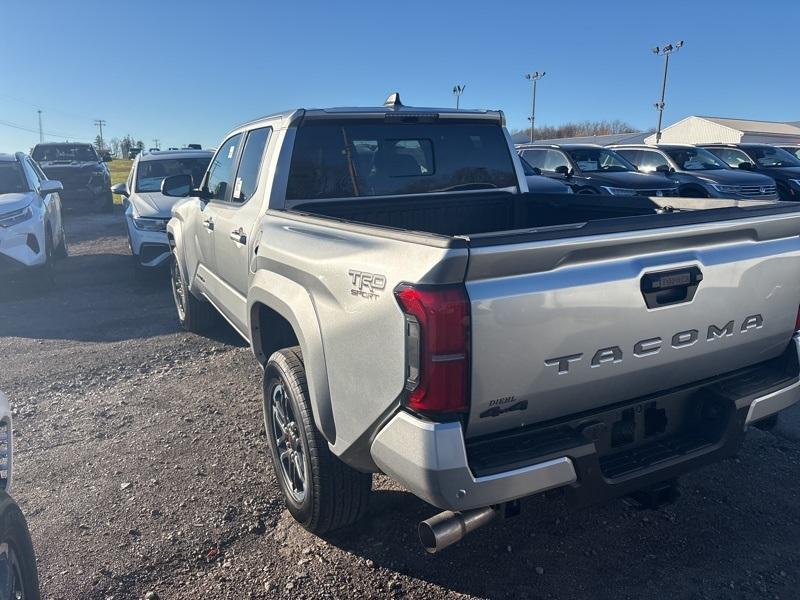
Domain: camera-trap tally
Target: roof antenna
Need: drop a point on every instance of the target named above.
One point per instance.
(393, 101)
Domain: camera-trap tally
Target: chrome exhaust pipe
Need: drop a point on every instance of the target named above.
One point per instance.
(448, 527)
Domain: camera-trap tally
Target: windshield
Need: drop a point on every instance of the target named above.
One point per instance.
(766, 156)
(79, 153)
(349, 159)
(591, 160)
(12, 179)
(151, 173)
(695, 159)
(527, 168)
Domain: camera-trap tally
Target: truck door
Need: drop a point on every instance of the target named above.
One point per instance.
(235, 221)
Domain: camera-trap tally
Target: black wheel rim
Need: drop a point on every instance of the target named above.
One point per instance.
(289, 444)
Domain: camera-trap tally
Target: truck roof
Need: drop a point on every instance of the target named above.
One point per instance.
(392, 106)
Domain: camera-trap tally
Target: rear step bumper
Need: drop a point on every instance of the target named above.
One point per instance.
(589, 455)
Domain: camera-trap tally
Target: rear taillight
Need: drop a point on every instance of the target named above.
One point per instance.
(437, 347)
(797, 321)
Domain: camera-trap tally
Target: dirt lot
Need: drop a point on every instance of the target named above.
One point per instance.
(141, 466)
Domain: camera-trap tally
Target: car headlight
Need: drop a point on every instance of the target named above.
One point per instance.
(726, 189)
(615, 191)
(148, 224)
(16, 217)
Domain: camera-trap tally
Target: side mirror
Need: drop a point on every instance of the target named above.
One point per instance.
(564, 170)
(50, 186)
(121, 189)
(537, 171)
(108, 158)
(747, 166)
(665, 169)
(177, 186)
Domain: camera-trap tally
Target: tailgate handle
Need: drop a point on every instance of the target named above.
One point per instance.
(663, 288)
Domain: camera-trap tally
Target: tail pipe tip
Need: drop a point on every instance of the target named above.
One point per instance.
(448, 527)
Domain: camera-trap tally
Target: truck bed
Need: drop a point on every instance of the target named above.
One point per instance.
(482, 217)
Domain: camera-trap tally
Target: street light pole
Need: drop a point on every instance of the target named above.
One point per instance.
(533, 78)
(457, 91)
(664, 51)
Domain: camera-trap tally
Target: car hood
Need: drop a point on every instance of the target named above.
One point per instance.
(66, 164)
(731, 177)
(12, 202)
(544, 185)
(631, 180)
(781, 172)
(153, 204)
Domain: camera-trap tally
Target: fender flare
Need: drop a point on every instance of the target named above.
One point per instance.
(292, 302)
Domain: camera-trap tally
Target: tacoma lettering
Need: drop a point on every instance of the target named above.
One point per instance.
(654, 345)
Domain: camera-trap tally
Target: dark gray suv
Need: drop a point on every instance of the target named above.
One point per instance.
(593, 169)
(699, 173)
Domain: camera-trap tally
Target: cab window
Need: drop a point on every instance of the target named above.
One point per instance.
(221, 171)
(250, 165)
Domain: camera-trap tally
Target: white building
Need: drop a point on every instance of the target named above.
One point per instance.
(709, 130)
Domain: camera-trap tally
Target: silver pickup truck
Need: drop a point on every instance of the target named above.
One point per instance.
(419, 313)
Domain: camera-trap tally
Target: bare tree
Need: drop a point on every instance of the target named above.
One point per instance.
(583, 128)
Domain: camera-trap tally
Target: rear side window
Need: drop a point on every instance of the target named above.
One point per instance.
(349, 159)
(546, 159)
(250, 165)
(223, 165)
(732, 156)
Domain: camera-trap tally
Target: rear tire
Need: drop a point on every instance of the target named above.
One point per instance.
(321, 492)
(195, 315)
(18, 573)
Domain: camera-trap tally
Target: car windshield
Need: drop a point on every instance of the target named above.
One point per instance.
(766, 156)
(150, 173)
(599, 159)
(527, 168)
(66, 152)
(695, 159)
(12, 179)
(349, 159)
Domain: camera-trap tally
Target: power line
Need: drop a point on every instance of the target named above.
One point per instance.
(46, 133)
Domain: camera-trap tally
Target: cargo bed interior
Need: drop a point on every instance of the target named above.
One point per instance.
(473, 214)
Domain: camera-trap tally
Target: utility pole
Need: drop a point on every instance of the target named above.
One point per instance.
(664, 51)
(457, 91)
(41, 135)
(533, 78)
(100, 123)
(155, 143)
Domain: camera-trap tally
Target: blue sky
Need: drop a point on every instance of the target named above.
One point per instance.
(186, 71)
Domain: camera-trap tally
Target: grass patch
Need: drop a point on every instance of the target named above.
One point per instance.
(119, 170)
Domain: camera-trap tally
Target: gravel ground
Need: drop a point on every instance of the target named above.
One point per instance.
(141, 466)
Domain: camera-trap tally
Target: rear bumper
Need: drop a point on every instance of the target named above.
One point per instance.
(436, 463)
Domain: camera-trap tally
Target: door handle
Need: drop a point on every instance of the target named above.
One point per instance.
(238, 236)
(208, 224)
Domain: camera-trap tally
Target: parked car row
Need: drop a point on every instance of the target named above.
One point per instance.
(739, 171)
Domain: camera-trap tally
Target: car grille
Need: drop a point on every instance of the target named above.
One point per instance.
(755, 191)
(70, 178)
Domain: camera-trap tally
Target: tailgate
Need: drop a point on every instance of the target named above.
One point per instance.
(561, 326)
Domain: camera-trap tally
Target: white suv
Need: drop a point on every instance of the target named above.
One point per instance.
(147, 209)
(31, 228)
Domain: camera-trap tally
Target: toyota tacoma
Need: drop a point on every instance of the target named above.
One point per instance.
(418, 312)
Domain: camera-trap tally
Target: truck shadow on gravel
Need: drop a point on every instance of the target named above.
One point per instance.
(699, 544)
